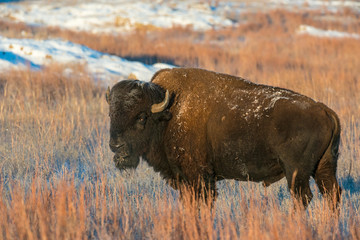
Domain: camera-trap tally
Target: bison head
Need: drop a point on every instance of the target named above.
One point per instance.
(138, 112)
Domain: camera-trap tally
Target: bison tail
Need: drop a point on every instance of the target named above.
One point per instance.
(335, 140)
(325, 175)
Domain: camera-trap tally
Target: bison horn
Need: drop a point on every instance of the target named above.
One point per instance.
(107, 95)
(159, 107)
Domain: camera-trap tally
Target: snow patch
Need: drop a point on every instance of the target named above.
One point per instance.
(115, 16)
(305, 29)
(21, 53)
(274, 100)
(119, 16)
(332, 5)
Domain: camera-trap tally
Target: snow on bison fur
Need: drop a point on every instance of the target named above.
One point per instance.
(196, 127)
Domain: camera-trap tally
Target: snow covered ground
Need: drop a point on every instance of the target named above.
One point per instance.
(118, 16)
(121, 16)
(115, 16)
(305, 29)
(20, 53)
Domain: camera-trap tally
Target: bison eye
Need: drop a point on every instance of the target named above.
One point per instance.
(142, 118)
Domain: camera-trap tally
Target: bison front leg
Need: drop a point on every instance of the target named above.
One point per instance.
(298, 183)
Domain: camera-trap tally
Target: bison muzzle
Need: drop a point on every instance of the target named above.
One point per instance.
(192, 124)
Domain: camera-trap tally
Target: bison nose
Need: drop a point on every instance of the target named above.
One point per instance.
(115, 146)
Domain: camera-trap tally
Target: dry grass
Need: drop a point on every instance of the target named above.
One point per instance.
(57, 179)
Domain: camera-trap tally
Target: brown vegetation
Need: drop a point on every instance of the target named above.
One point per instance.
(57, 179)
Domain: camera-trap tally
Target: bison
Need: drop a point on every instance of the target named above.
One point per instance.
(196, 127)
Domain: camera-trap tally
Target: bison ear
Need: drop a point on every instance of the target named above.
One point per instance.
(107, 95)
(163, 116)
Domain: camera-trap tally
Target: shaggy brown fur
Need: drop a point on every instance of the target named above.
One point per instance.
(225, 127)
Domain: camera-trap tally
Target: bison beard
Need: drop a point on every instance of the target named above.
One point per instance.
(196, 127)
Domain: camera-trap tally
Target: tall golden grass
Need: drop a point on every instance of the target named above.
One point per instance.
(57, 179)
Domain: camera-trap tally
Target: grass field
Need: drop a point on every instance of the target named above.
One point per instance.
(57, 178)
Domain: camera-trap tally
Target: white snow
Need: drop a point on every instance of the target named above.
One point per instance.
(330, 4)
(115, 16)
(119, 16)
(305, 29)
(20, 53)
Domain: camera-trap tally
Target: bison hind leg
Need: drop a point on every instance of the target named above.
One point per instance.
(325, 178)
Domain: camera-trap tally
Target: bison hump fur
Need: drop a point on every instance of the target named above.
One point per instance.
(220, 126)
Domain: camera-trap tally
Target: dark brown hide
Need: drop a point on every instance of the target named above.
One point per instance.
(225, 127)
